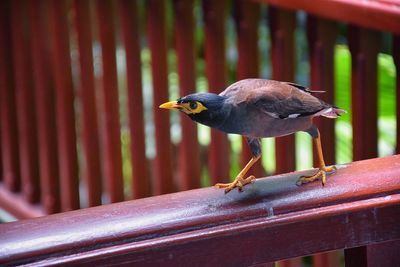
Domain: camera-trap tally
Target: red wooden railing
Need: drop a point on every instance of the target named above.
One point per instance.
(55, 105)
(273, 219)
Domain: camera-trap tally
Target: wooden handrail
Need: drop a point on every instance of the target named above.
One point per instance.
(379, 15)
(271, 220)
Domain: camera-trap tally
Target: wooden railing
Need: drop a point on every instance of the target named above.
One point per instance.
(59, 101)
(272, 219)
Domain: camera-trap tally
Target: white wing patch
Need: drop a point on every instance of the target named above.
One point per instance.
(292, 116)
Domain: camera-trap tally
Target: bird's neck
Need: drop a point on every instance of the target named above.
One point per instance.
(217, 112)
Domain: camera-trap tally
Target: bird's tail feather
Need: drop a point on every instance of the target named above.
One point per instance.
(332, 112)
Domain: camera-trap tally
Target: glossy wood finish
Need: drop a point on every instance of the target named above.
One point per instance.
(321, 35)
(396, 58)
(141, 182)
(91, 169)
(45, 107)
(16, 204)
(61, 62)
(359, 206)
(282, 24)
(214, 14)
(112, 158)
(380, 15)
(8, 120)
(24, 92)
(189, 152)
(364, 48)
(162, 169)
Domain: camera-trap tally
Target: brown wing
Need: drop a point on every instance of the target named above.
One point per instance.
(278, 99)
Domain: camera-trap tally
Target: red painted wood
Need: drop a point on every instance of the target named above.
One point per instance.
(380, 15)
(329, 259)
(189, 154)
(295, 262)
(27, 128)
(8, 120)
(247, 16)
(112, 158)
(282, 25)
(321, 35)
(64, 105)
(384, 254)
(141, 184)
(356, 257)
(216, 71)
(396, 58)
(364, 47)
(89, 122)
(45, 107)
(157, 39)
(16, 204)
(206, 227)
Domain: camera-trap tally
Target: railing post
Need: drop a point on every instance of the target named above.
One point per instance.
(247, 16)
(67, 154)
(163, 177)
(8, 120)
(321, 35)
(396, 57)
(109, 92)
(90, 130)
(364, 48)
(214, 20)
(141, 184)
(45, 107)
(282, 25)
(25, 91)
(189, 152)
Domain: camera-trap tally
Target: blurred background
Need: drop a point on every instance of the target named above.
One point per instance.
(81, 82)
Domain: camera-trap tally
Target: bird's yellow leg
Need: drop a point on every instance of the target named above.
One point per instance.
(240, 181)
(323, 170)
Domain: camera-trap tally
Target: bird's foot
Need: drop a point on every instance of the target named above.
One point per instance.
(239, 182)
(321, 173)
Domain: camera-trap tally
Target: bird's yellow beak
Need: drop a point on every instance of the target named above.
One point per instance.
(171, 105)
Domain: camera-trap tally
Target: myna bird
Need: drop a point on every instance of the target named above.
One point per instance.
(257, 108)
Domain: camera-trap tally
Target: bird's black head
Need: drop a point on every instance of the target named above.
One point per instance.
(206, 108)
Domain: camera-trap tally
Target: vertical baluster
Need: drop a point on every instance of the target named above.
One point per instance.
(130, 32)
(189, 161)
(247, 16)
(294, 262)
(364, 48)
(25, 101)
(321, 34)
(329, 259)
(90, 129)
(396, 57)
(216, 71)
(64, 105)
(282, 25)
(45, 108)
(111, 126)
(8, 120)
(157, 42)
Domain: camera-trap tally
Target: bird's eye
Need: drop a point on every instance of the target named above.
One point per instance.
(193, 105)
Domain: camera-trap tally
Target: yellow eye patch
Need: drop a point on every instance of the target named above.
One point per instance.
(193, 107)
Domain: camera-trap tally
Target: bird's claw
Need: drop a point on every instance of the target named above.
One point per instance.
(321, 173)
(239, 182)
